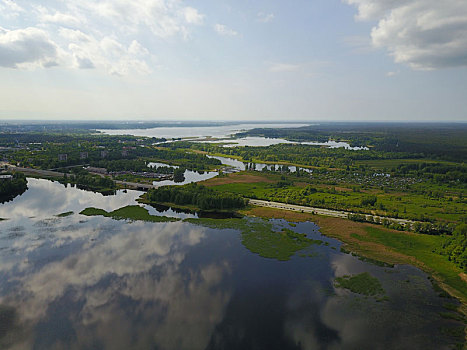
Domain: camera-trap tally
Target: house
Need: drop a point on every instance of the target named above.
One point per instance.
(96, 170)
(63, 157)
(6, 177)
(83, 155)
(104, 154)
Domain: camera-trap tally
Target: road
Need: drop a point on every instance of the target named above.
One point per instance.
(319, 211)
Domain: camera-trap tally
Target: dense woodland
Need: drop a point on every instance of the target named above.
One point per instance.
(12, 188)
(112, 152)
(197, 195)
(455, 246)
(80, 127)
(84, 180)
(439, 141)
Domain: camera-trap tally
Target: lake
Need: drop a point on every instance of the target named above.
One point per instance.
(218, 131)
(224, 132)
(190, 175)
(80, 282)
(256, 141)
(237, 165)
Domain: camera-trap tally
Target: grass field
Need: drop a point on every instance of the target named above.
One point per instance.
(394, 163)
(422, 248)
(261, 238)
(407, 205)
(362, 283)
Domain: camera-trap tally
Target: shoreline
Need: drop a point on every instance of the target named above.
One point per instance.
(353, 236)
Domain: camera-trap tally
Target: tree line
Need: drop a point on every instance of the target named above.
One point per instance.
(198, 195)
(9, 189)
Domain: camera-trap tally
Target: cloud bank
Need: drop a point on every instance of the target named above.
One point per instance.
(91, 35)
(27, 47)
(424, 34)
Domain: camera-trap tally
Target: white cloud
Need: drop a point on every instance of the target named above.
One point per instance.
(375, 9)
(163, 18)
(391, 74)
(136, 49)
(283, 67)
(223, 30)
(10, 9)
(107, 53)
(27, 47)
(265, 17)
(424, 34)
(64, 19)
(192, 16)
(110, 35)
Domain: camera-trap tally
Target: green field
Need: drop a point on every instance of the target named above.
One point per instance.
(423, 248)
(410, 205)
(261, 238)
(362, 283)
(394, 163)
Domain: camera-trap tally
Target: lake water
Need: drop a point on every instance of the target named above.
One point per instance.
(190, 176)
(240, 166)
(264, 142)
(81, 282)
(197, 131)
(225, 131)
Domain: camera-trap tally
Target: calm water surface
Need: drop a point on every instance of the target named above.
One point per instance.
(251, 141)
(239, 166)
(190, 176)
(225, 131)
(80, 282)
(197, 131)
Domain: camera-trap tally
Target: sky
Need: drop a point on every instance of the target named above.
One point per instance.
(265, 60)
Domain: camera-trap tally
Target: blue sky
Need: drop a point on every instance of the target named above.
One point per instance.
(351, 60)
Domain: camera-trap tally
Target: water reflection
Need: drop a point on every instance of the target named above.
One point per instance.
(45, 198)
(92, 282)
(251, 141)
(190, 176)
(130, 272)
(240, 166)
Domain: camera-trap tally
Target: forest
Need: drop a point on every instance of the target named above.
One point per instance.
(196, 195)
(9, 189)
(439, 141)
(42, 150)
(454, 246)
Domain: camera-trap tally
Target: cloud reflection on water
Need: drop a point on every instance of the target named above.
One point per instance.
(120, 280)
(93, 282)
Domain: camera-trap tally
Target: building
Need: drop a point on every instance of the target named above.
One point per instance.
(6, 177)
(96, 170)
(83, 155)
(104, 154)
(124, 153)
(63, 157)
